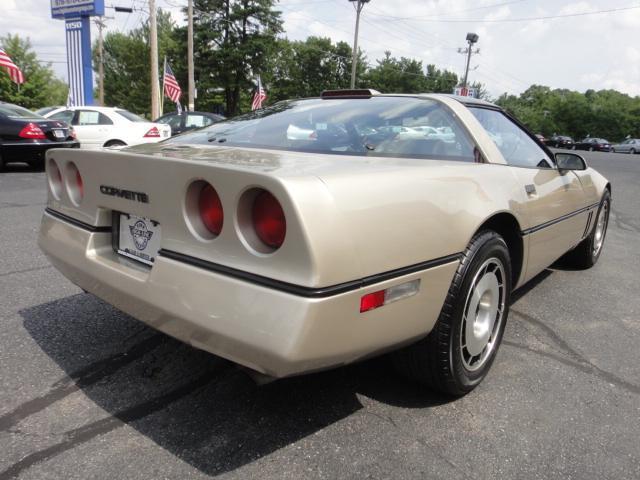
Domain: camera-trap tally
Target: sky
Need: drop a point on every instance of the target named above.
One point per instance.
(561, 44)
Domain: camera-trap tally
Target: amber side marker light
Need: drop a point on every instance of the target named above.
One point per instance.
(374, 300)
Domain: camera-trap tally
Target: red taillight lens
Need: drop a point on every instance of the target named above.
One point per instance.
(79, 183)
(210, 207)
(371, 301)
(152, 133)
(268, 219)
(33, 131)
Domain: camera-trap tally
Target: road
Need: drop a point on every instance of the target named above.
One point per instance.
(88, 392)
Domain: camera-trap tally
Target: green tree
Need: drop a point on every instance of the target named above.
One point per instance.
(41, 87)
(306, 68)
(234, 42)
(127, 81)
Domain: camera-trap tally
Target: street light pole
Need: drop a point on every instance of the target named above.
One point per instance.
(358, 5)
(153, 40)
(471, 39)
(191, 80)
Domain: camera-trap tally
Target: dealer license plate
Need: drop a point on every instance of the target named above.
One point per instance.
(58, 133)
(138, 238)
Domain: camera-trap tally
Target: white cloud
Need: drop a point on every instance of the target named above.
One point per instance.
(558, 53)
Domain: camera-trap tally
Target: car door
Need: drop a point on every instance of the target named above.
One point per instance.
(92, 128)
(554, 201)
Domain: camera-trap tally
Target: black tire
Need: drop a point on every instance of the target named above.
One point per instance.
(1, 164)
(613, 150)
(115, 143)
(438, 360)
(591, 149)
(632, 151)
(585, 255)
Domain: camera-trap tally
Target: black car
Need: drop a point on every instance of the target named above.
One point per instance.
(559, 141)
(594, 145)
(185, 121)
(26, 136)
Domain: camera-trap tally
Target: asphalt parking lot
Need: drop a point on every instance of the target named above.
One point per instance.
(88, 392)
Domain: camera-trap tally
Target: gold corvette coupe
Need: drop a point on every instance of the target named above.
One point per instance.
(318, 232)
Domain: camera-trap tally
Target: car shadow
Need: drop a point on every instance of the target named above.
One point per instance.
(203, 409)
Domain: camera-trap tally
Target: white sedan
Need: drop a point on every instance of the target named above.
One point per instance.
(97, 127)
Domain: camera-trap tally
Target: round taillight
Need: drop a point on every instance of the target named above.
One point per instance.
(75, 184)
(210, 208)
(55, 179)
(79, 183)
(268, 219)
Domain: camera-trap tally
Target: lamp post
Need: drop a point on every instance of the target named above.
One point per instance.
(358, 5)
(472, 38)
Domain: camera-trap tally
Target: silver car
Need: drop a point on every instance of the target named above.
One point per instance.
(630, 145)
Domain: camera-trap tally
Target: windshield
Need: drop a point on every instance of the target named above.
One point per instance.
(131, 116)
(377, 126)
(14, 111)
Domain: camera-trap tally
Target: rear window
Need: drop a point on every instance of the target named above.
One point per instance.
(14, 111)
(131, 116)
(377, 126)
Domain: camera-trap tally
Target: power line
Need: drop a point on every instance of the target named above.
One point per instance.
(514, 20)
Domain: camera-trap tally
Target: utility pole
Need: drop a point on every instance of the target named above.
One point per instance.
(190, 55)
(472, 38)
(153, 40)
(100, 23)
(358, 5)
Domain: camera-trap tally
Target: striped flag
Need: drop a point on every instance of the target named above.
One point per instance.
(171, 87)
(258, 97)
(14, 72)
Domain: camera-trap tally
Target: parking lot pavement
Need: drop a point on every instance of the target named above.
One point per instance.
(88, 392)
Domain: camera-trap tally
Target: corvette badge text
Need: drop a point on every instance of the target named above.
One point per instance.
(128, 194)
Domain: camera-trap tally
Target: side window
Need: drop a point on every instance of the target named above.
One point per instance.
(196, 121)
(172, 120)
(516, 146)
(64, 115)
(91, 117)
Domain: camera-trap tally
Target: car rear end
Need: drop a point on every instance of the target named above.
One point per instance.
(231, 253)
(139, 130)
(26, 136)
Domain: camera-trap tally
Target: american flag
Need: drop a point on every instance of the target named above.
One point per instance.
(14, 72)
(171, 87)
(258, 97)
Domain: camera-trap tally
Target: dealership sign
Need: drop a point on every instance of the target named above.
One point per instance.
(76, 8)
(76, 14)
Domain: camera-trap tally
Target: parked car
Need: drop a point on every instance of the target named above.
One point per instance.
(593, 145)
(560, 141)
(42, 111)
(98, 127)
(25, 136)
(290, 256)
(541, 137)
(630, 145)
(185, 121)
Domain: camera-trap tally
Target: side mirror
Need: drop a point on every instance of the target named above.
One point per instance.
(570, 161)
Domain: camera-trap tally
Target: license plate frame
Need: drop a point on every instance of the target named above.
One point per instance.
(136, 237)
(59, 134)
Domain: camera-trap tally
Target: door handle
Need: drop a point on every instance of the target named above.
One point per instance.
(530, 189)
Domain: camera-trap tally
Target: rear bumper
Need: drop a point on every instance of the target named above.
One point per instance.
(32, 151)
(269, 330)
